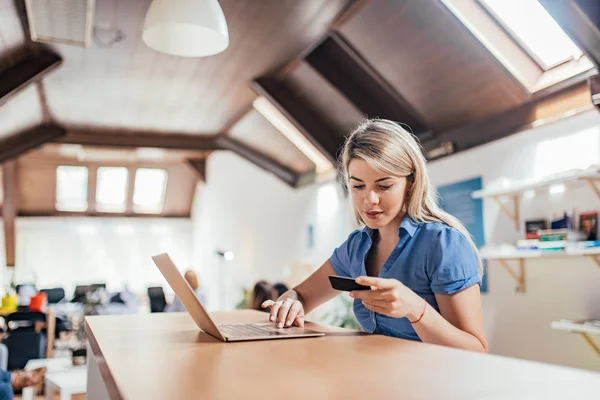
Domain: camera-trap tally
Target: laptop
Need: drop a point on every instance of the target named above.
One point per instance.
(226, 333)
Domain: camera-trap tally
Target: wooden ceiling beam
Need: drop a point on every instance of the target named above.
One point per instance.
(265, 162)
(100, 137)
(199, 166)
(580, 19)
(9, 209)
(551, 107)
(27, 70)
(177, 141)
(312, 125)
(340, 64)
(19, 143)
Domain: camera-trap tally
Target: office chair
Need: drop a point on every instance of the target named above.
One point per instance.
(158, 301)
(96, 286)
(24, 343)
(54, 295)
(80, 292)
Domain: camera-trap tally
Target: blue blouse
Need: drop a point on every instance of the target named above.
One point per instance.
(430, 258)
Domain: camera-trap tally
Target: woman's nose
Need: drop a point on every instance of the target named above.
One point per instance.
(372, 197)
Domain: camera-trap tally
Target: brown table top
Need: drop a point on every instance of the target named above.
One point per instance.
(165, 356)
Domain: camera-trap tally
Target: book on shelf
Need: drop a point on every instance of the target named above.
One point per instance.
(588, 225)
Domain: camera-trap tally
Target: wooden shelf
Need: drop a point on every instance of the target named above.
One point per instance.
(513, 192)
(519, 256)
(586, 175)
(580, 327)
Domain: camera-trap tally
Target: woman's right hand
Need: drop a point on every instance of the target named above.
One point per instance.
(285, 312)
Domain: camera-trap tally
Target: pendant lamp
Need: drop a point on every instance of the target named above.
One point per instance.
(186, 28)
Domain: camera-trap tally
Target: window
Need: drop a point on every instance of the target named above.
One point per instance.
(149, 190)
(111, 189)
(528, 22)
(71, 188)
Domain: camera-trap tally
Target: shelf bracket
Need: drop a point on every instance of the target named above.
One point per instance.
(514, 216)
(519, 276)
(593, 186)
(591, 342)
(596, 259)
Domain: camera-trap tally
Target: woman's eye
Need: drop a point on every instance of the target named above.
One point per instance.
(358, 187)
(385, 187)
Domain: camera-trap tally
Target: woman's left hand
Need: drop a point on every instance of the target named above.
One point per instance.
(389, 297)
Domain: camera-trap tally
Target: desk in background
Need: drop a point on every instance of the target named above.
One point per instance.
(165, 356)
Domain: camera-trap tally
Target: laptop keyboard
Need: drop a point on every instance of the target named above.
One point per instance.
(246, 330)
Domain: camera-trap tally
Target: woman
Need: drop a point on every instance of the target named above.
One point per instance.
(262, 292)
(192, 280)
(421, 264)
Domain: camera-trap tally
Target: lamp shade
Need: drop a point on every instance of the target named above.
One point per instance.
(186, 28)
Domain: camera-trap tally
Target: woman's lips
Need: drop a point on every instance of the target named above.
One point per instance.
(373, 214)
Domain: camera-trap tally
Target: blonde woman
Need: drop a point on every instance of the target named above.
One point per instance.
(421, 264)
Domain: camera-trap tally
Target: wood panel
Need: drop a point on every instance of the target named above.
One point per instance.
(130, 85)
(562, 104)
(15, 145)
(324, 99)
(10, 206)
(37, 184)
(338, 62)
(433, 61)
(255, 131)
(303, 115)
(28, 69)
(281, 171)
(136, 138)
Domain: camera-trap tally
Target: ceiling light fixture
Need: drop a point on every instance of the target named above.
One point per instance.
(186, 28)
(287, 129)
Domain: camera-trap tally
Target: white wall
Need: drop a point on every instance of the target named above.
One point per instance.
(519, 324)
(66, 251)
(265, 223)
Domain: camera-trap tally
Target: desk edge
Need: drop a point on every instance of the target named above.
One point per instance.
(109, 380)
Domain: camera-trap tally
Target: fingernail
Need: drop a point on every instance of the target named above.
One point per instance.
(271, 319)
(280, 325)
(288, 323)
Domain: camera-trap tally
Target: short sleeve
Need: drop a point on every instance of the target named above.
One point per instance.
(342, 258)
(452, 264)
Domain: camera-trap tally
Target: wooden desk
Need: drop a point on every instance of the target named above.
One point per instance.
(164, 356)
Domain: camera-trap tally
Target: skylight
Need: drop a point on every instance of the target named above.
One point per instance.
(535, 30)
(71, 188)
(111, 189)
(149, 190)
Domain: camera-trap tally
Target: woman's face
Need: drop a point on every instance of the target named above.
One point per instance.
(377, 197)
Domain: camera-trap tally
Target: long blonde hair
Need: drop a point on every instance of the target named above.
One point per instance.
(389, 148)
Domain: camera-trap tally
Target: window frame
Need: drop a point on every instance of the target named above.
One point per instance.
(515, 38)
(87, 184)
(141, 209)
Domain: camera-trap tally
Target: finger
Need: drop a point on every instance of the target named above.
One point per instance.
(299, 321)
(379, 283)
(293, 313)
(267, 304)
(389, 304)
(371, 294)
(376, 308)
(283, 312)
(275, 310)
